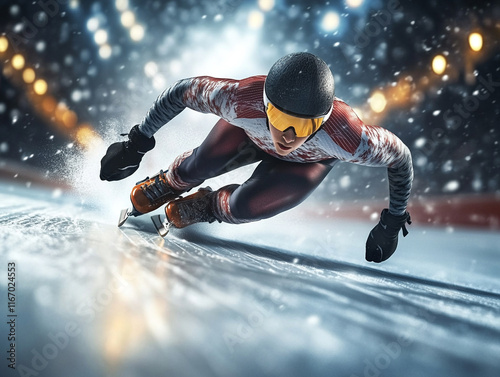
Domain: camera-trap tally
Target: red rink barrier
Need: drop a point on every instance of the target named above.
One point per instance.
(467, 211)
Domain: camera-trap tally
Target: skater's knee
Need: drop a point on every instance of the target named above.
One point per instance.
(248, 208)
(242, 211)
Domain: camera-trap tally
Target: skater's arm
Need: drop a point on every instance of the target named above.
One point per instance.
(204, 94)
(355, 142)
(380, 147)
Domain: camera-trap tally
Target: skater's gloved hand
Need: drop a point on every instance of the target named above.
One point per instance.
(123, 158)
(383, 239)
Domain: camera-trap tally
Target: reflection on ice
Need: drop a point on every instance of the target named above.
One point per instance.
(200, 302)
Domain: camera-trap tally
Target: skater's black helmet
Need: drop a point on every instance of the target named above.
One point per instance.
(299, 85)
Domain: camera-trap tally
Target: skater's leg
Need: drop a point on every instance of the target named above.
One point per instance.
(274, 187)
(226, 148)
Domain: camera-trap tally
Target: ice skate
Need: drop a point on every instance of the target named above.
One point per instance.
(183, 212)
(148, 195)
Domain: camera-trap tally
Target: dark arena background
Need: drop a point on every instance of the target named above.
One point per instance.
(288, 296)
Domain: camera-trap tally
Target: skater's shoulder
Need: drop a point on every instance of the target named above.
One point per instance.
(249, 100)
(343, 126)
(341, 106)
(252, 83)
(342, 117)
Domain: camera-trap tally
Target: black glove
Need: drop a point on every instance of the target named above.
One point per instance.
(122, 158)
(383, 239)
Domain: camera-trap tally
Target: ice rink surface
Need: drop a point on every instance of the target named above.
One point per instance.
(290, 296)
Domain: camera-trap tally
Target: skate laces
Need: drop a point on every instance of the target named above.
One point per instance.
(155, 190)
(198, 209)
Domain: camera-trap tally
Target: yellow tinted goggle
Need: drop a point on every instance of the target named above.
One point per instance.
(281, 121)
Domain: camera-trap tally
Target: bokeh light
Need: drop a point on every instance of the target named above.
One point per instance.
(476, 41)
(127, 18)
(93, 24)
(86, 136)
(121, 5)
(40, 87)
(266, 5)
(49, 104)
(378, 102)
(18, 61)
(151, 69)
(69, 118)
(28, 75)
(354, 3)
(137, 32)
(105, 51)
(331, 21)
(101, 36)
(439, 64)
(61, 109)
(255, 19)
(4, 44)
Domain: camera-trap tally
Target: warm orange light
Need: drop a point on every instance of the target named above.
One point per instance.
(378, 102)
(86, 136)
(40, 87)
(28, 75)
(4, 44)
(401, 92)
(439, 64)
(60, 111)
(18, 61)
(476, 41)
(69, 118)
(49, 105)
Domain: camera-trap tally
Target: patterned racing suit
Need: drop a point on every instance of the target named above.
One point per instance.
(242, 137)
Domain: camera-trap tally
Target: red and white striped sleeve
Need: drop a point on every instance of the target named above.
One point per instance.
(203, 94)
(373, 146)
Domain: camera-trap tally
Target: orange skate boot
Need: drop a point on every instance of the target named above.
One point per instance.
(148, 195)
(182, 212)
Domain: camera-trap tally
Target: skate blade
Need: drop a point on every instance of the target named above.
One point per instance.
(124, 214)
(162, 227)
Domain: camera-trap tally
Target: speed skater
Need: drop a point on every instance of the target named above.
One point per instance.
(291, 122)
